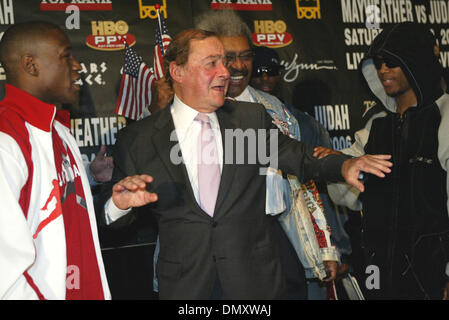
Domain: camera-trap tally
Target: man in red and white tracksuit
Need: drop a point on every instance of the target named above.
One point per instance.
(49, 246)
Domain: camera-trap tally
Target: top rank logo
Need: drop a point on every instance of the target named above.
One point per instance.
(308, 9)
(242, 5)
(83, 5)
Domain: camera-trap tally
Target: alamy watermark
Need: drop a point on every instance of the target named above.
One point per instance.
(73, 278)
(250, 146)
(373, 279)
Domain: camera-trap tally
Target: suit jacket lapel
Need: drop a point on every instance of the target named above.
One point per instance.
(227, 121)
(166, 143)
(179, 172)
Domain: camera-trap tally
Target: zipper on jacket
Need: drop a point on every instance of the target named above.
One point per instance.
(397, 148)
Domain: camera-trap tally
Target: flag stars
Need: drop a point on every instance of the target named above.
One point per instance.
(132, 62)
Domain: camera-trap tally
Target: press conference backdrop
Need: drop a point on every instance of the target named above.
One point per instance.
(320, 44)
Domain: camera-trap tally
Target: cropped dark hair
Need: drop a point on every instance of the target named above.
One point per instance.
(20, 37)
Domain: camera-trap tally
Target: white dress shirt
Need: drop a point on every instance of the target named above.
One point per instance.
(245, 96)
(187, 132)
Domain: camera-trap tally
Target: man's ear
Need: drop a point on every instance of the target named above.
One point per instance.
(29, 65)
(176, 72)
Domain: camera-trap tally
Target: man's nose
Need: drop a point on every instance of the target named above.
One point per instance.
(223, 71)
(383, 68)
(236, 64)
(76, 66)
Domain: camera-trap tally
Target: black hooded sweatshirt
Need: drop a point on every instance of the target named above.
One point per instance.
(405, 214)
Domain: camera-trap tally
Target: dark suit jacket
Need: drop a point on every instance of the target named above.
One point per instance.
(235, 245)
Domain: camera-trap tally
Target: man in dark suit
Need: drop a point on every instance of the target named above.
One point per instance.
(214, 234)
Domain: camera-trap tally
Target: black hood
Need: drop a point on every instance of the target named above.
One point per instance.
(412, 45)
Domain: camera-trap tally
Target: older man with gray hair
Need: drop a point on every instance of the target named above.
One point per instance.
(316, 254)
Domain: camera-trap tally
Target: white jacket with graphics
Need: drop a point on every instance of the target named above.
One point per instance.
(34, 268)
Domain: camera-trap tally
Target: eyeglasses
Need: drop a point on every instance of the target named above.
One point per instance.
(389, 62)
(246, 56)
(271, 71)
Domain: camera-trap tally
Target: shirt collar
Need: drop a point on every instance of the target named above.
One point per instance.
(34, 111)
(245, 96)
(63, 116)
(184, 115)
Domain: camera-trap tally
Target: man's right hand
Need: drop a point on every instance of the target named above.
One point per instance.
(375, 164)
(131, 192)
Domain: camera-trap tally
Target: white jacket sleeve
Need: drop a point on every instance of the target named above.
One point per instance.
(17, 252)
(443, 145)
(443, 140)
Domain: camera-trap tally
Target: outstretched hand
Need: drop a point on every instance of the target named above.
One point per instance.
(375, 164)
(131, 192)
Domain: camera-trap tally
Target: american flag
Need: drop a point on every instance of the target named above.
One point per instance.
(162, 41)
(135, 87)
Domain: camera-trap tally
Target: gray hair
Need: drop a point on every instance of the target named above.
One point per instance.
(224, 23)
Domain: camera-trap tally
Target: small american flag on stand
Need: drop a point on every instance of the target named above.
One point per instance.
(135, 86)
(162, 41)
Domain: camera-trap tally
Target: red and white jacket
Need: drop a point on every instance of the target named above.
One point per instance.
(34, 268)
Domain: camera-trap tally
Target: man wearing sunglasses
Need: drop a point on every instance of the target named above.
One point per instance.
(308, 255)
(266, 70)
(405, 216)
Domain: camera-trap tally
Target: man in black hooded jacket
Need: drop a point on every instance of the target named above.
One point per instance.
(405, 215)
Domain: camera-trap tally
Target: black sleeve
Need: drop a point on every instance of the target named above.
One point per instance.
(123, 167)
(296, 158)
